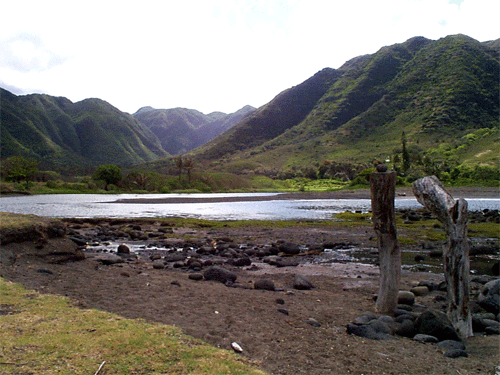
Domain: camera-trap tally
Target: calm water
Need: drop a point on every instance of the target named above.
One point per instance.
(95, 205)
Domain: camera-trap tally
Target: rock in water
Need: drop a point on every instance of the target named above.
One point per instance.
(123, 249)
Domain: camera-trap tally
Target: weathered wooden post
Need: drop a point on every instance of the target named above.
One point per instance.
(453, 215)
(383, 187)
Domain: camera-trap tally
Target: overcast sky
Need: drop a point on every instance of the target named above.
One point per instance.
(208, 55)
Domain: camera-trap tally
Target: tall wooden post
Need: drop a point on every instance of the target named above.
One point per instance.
(453, 215)
(383, 187)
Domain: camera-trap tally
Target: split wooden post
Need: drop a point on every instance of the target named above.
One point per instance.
(453, 215)
(383, 188)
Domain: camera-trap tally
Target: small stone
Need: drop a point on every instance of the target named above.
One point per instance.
(219, 274)
(195, 276)
(448, 345)
(406, 298)
(123, 249)
(264, 284)
(280, 301)
(420, 291)
(236, 347)
(283, 311)
(313, 322)
(425, 338)
(301, 283)
(158, 264)
(457, 353)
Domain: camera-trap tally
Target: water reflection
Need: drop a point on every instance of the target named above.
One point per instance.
(95, 205)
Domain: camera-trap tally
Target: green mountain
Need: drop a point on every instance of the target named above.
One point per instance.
(181, 130)
(439, 93)
(65, 135)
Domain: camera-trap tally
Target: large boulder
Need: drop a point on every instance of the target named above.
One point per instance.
(436, 323)
(489, 297)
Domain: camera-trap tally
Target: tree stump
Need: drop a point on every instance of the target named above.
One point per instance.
(383, 187)
(453, 215)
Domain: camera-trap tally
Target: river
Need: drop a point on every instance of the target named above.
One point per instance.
(239, 206)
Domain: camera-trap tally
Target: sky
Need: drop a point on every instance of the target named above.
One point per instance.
(208, 55)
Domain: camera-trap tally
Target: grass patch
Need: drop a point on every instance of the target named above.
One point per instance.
(45, 334)
(10, 220)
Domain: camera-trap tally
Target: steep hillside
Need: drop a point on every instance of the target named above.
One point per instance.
(180, 130)
(65, 135)
(433, 91)
(284, 112)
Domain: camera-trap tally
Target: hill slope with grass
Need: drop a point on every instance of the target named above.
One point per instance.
(67, 136)
(441, 96)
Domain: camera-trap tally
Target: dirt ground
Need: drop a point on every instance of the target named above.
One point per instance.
(272, 327)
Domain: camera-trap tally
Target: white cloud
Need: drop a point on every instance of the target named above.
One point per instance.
(209, 55)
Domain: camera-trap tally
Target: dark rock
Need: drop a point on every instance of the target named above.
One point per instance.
(78, 240)
(436, 323)
(406, 328)
(404, 307)
(176, 283)
(489, 298)
(287, 262)
(174, 257)
(109, 259)
(447, 345)
(456, 353)
(492, 330)
(158, 264)
(219, 274)
(195, 276)
(45, 271)
(406, 298)
(436, 253)
(419, 291)
(430, 285)
(123, 249)
(242, 262)
(366, 331)
(419, 258)
(301, 283)
(366, 318)
(289, 248)
(283, 311)
(495, 269)
(280, 301)
(264, 284)
(425, 338)
(380, 327)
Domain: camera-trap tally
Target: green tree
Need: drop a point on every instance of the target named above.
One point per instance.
(109, 173)
(18, 168)
(406, 154)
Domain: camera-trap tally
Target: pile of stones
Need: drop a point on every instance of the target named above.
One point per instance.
(431, 325)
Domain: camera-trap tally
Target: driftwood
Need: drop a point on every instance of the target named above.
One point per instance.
(383, 187)
(453, 215)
